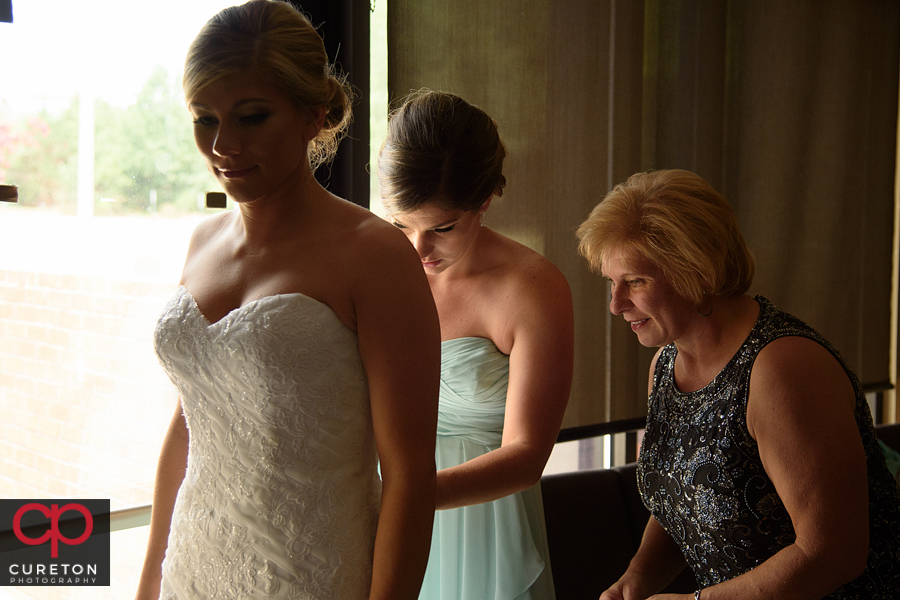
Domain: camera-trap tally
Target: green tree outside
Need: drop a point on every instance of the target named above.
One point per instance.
(145, 147)
(43, 164)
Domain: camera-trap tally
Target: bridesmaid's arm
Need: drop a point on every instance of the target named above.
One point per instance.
(399, 341)
(169, 475)
(540, 379)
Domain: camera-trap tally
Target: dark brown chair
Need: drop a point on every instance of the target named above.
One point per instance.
(595, 520)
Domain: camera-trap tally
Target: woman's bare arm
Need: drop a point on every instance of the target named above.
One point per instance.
(656, 564)
(169, 475)
(399, 341)
(540, 379)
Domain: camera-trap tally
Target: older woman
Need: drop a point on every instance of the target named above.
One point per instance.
(760, 464)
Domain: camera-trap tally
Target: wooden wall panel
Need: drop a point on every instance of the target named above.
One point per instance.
(788, 108)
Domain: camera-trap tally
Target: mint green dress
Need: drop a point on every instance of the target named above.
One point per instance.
(496, 550)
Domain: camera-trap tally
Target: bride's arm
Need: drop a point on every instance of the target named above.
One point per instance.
(399, 341)
(541, 326)
(169, 475)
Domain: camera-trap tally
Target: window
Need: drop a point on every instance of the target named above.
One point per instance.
(94, 132)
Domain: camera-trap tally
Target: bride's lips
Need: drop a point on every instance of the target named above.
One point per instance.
(234, 173)
(430, 264)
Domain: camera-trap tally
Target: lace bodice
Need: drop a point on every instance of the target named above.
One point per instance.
(281, 494)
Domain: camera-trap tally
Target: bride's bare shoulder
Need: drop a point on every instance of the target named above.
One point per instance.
(366, 231)
(208, 228)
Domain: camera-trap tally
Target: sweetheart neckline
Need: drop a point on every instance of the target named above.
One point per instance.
(468, 337)
(473, 338)
(235, 311)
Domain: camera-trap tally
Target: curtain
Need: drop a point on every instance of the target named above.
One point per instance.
(788, 108)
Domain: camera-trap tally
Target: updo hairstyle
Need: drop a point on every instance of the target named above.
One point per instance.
(272, 38)
(440, 149)
(678, 223)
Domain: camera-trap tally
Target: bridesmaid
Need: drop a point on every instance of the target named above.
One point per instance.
(506, 354)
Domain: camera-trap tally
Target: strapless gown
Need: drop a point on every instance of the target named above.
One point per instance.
(281, 494)
(496, 550)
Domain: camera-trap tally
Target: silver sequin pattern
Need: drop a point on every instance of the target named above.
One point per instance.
(701, 476)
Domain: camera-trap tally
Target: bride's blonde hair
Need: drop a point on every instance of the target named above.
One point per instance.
(274, 39)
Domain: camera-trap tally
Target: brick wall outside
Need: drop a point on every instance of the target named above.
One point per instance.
(84, 403)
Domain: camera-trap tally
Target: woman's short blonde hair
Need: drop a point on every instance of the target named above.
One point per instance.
(274, 39)
(677, 222)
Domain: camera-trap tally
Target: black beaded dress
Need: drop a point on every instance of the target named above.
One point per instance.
(701, 476)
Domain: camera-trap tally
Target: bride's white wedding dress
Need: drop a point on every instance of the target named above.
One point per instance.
(281, 494)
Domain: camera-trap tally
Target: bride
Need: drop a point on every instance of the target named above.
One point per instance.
(302, 339)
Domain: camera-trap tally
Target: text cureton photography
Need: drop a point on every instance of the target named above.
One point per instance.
(54, 542)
